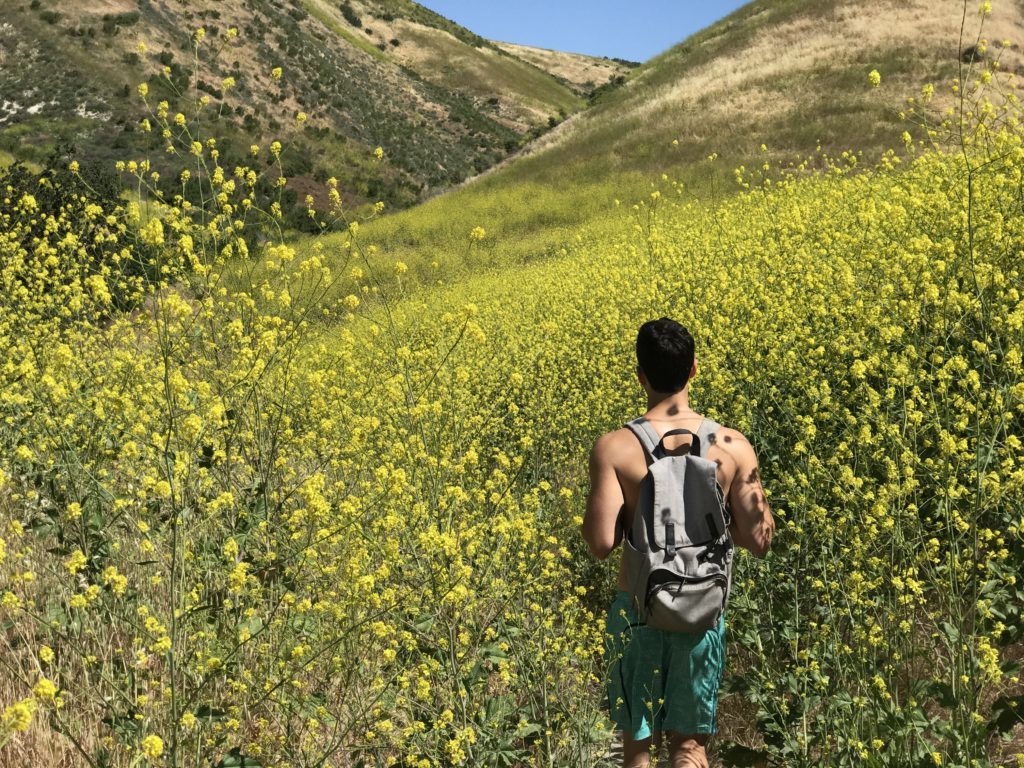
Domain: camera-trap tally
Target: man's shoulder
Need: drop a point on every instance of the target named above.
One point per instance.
(733, 442)
(615, 441)
(730, 435)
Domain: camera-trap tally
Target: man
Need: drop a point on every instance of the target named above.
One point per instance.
(665, 684)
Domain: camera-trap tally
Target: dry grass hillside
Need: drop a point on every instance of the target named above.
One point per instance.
(789, 73)
(584, 73)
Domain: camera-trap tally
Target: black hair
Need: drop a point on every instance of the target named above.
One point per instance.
(664, 352)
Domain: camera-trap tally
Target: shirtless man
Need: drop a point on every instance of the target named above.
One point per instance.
(664, 682)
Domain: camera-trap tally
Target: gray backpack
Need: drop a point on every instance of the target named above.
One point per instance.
(678, 551)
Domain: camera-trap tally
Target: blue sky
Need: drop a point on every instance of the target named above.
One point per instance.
(634, 30)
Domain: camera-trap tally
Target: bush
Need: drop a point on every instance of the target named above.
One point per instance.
(80, 203)
(350, 15)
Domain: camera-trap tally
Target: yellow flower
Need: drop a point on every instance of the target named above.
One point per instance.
(18, 716)
(276, 73)
(76, 562)
(152, 747)
(45, 689)
(379, 153)
(874, 78)
(117, 582)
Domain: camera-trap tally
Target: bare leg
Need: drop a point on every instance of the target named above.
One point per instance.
(688, 751)
(635, 754)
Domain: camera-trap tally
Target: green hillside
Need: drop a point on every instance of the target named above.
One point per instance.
(443, 103)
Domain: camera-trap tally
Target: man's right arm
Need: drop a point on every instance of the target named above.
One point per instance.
(604, 502)
(752, 522)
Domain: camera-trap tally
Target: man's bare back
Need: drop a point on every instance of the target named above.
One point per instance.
(618, 466)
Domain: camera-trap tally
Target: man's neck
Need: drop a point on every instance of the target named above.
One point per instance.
(674, 404)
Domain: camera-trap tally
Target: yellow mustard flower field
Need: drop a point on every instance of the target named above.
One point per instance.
(263, 505)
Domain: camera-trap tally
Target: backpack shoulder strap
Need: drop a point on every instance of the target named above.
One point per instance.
(645, 433)
(707, 432)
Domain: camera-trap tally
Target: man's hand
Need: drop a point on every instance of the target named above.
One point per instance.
(605, 504)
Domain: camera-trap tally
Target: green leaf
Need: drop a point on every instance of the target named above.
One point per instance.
(530, 729)
(1008, 712)
(125, 726)
(55, 613)
(734, 754)
(493, 653)
(235, 759)
(206, 712)
(253, 626)
(942, 693)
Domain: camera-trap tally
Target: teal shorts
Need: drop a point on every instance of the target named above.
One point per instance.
(661, 681)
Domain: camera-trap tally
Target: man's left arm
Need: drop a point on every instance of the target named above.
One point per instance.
(605, 504)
